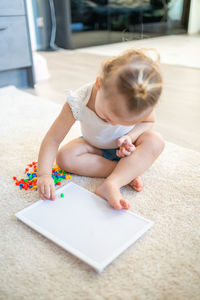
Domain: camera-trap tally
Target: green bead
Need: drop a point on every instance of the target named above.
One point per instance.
(62, 195)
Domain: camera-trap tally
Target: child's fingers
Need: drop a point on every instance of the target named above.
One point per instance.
(131, 148)
(128, 144)
(125, 152)
(121, 141)
(119, 153)
(53, 194)
(43, 197)
(41, 189)
(47, 191)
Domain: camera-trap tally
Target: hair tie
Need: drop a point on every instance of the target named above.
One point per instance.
(141, 91)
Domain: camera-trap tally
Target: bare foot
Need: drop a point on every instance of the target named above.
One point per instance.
(112, 194)
(137, 184)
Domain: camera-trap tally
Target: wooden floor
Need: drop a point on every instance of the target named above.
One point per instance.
(178, 113)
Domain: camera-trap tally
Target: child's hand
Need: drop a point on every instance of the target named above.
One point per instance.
(126, 146)
(46, 187)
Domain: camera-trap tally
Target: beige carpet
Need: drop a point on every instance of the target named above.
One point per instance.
(164, 264)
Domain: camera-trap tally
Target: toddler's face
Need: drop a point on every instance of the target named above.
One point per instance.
(114, 111)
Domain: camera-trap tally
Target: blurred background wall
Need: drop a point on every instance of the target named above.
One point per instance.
(74, 24)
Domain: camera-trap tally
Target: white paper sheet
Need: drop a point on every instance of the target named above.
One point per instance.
(85, 225)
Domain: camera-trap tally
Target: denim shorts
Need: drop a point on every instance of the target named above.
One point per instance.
(109, 153)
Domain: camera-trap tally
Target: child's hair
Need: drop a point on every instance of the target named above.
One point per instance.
(136, 76)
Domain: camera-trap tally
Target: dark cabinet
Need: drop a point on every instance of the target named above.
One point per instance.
(83, 23)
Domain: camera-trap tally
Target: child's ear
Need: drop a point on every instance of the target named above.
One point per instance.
(98, 83)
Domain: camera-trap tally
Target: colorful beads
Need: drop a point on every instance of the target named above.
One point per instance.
(31, 182)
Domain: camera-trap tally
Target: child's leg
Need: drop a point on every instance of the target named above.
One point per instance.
(81, 158)
(148, 147)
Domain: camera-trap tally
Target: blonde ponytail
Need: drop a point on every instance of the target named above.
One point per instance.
(136, 76)
(141, 91)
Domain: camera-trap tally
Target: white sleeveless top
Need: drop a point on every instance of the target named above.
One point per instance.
(94, 130)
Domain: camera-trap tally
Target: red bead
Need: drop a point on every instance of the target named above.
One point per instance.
(14, 178)
(58, 183)
(25, 186)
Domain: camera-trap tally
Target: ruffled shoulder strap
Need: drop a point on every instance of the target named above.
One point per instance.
(78, 99)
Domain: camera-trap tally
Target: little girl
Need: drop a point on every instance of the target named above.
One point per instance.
(116, 113)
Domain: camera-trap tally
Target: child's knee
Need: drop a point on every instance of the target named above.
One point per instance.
(59, 158)
(63, 158)
(157, 143)
(153, 142)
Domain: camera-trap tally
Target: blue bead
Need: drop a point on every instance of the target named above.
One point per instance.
(30, 186)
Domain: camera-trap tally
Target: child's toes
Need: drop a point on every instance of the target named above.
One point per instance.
(117, 205)
(124, 204)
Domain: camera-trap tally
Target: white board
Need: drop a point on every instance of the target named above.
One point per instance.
(85, 225)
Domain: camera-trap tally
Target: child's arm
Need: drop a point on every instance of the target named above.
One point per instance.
(48, 151)
(145, 125)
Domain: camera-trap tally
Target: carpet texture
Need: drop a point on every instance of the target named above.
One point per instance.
(163, 264)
